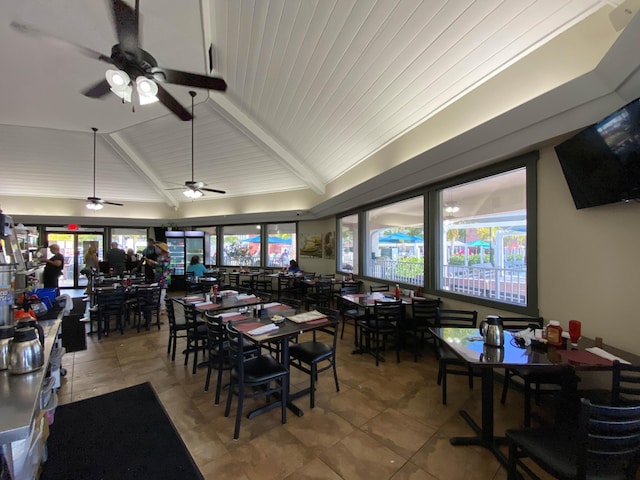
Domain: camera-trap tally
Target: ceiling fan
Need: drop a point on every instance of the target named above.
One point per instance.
(138, 73)
(194, 189)
(95, 203)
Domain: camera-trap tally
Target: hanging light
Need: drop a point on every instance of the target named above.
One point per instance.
(120, 84)
(451, 208)
(94, 206)
(147, 90)
(192, 193)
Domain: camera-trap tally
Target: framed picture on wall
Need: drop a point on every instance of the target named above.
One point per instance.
(311, 245)
(329, 245)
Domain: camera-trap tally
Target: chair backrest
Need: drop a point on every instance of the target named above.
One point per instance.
(349, 290)
(378, 288)
(236, 344)
(610, 439)
(264, 296)
(423, 312)
(456, 318)
(292, 302)
(327, 276)
(625, 388)
(112, 300)
(333, 315)
(323, 287)
(216, 333)
(171, 313)
(520, 323)
(190, 315)
(309, 275)
(391, 311)
(148, 297)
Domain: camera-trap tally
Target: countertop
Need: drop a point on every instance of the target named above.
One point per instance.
(20, 394)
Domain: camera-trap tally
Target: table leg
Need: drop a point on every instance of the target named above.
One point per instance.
(483, 433)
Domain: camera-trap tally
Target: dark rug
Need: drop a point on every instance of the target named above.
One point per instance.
(121, 435)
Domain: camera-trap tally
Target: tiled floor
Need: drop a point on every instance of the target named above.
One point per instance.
(386, 422)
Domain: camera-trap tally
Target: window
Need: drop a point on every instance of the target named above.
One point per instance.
(281, 242)
(130, 238)
(484, 238)
(241, 245)
(348, 242)
(395, 242)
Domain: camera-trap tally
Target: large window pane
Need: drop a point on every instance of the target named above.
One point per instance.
(484, 238)
(282, 244)
(395, 242)
(129, 238)
(241, 245)
(348, 241)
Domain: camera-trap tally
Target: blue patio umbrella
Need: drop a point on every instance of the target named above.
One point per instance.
(272, 239)
(478, 243)
(400, 237)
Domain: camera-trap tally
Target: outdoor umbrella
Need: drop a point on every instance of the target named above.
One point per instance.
(272, 239)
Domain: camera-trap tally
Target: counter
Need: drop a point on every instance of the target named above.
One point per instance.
(20, 394)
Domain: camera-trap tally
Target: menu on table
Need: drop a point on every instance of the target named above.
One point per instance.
(307, 316)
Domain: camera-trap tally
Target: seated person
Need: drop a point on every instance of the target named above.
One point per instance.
(294, 267)
(196, 268)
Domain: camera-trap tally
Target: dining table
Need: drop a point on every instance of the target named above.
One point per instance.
(468, 345)
(290, 328)
(225, 300)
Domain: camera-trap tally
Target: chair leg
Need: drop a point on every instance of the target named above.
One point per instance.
(527, 403)
(312, 396)
(335, 375)
(505, 386)
(195, 357)
(236, 432)
(169, 343)
(174, 347)
(208, 379)
(344, 322)
(218, 387)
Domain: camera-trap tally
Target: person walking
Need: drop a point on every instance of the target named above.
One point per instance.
(53, 268)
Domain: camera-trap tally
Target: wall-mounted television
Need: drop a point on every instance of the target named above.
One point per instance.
(602, 163)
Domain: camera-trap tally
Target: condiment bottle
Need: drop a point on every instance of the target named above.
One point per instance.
(397, 292)
(554, 333)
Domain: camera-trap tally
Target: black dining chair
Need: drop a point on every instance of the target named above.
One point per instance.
(423, 317)
(315, 356)
(604, 445)
(111, 303)
(219, 358)
(350, 312)
(177, 327)
(319, 295)
(196, 335)
(148, 304)
(625, 388)
(253, 376)
(385, 322)
(448, 362)
(535, 381)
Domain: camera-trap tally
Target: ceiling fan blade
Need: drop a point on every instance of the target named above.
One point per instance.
(34, 32)
(172, 104)
(112, 203)
(98, 90)
(124, 18)
(187, 79)
(213, 190)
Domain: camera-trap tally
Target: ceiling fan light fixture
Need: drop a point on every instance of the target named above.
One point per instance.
(147, 90)
(94, 206)
(193, 194)
(120, 83)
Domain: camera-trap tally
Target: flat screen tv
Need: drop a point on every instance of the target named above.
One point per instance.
(602, 163)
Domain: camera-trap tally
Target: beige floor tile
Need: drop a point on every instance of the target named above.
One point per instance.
(386, 422)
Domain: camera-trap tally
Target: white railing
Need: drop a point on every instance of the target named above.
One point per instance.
(502, 284)
(508, 285)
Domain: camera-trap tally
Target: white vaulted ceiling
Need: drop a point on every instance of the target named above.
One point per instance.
(315, 87)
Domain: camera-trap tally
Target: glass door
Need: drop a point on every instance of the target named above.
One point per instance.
(72, 247)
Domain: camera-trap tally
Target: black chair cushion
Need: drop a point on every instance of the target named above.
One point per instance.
(261, 369)
(310, 352)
